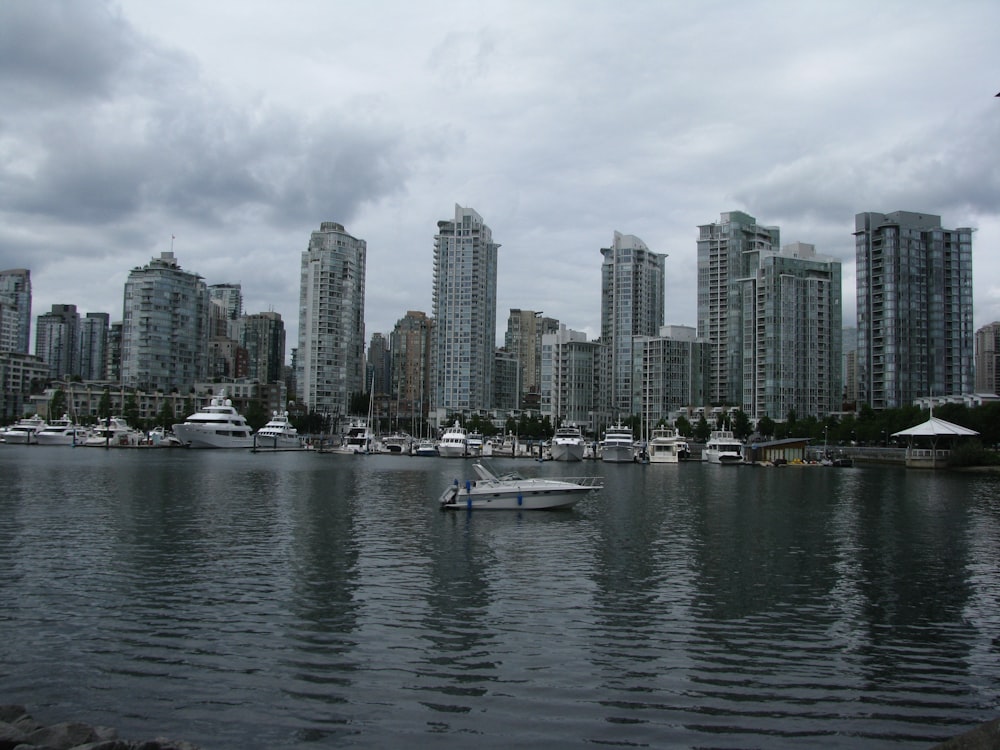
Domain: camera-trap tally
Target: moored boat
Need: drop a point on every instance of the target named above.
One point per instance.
(425, 447)
(617, 446)
(278, 434)
(454, 442)
(24, 431)
(114, 432)
(398, 443)
(216, 425)
(723, 448)
(357, 440)
(513, 492)
(63, 431)
(666, 446)
(567, 444)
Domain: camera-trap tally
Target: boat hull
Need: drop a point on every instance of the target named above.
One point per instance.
(194, 437)
(20, 438)
(616, 454)
(527, 498)
(277, 442)
(566, 451)
(726, 459)
(451, 451)
(62, 438)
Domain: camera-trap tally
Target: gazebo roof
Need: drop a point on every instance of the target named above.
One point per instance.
(935, 427)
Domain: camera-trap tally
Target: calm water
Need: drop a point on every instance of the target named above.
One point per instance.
(293, 600)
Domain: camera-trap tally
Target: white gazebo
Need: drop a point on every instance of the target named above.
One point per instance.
(928, 445)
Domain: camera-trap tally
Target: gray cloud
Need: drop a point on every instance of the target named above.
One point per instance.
(239, 129)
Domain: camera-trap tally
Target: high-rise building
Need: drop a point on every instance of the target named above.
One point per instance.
(164, 327)
(791, 336)
(92, 346)
(410, 342)
(331, 349)
(849, 371)
(262, 335)
(988, 359)
(670, 372)
(229, 298)
(506, 382)
(727, 251)
(465, 313)
(569, 378)
(632, 304)
(379, 376)
(15, 310)
(523, 340)
(56, 340)
(914, 298)
(114, 360)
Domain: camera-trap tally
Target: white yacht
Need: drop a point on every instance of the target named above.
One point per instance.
(567, 444)
(454, 443)
(425, 447)
(491, 491)
(357, 439)
(665, 446)
(278, 434)
(113, 432)
(474, 444)
(62, 431)
(723, 448)
(24, 431)
(398, 443)
(617, 445)
(216, 425)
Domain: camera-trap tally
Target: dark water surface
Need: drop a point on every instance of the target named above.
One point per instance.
(293, 600)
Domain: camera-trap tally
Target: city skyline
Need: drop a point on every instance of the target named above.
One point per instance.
(622, 121)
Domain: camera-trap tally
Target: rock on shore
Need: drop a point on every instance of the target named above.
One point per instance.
(19, 730)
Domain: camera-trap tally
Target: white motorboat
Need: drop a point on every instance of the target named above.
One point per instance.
(723, 448)
(425, 447)
(398, 443)
(567, 444)
(357, 440)
(454, 442)
(62, 431)
(474, 444)
(216, 425)
(617, 445)
(278, 434)
(24, 431)
(665, 446)
(161, 438)
(514, 492)
(114, 432)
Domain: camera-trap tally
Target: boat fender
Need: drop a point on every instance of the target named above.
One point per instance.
(468, 486)
(520, 499)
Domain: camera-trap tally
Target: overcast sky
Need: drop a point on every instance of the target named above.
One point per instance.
(238, 126)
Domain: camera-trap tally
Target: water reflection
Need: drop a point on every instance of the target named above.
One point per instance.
(284, 599)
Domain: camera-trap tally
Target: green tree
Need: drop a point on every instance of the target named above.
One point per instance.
(131, 412)
(765, 426)
(57, 404)
(166, 417)
(702, 431)
(256, 415)
(683, 425)
(104, 405)
(741, 425)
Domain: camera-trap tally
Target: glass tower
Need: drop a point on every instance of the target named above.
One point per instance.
(330, 357)
(465, 314)
(914, 297)
(632, 304)
(164, 342)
